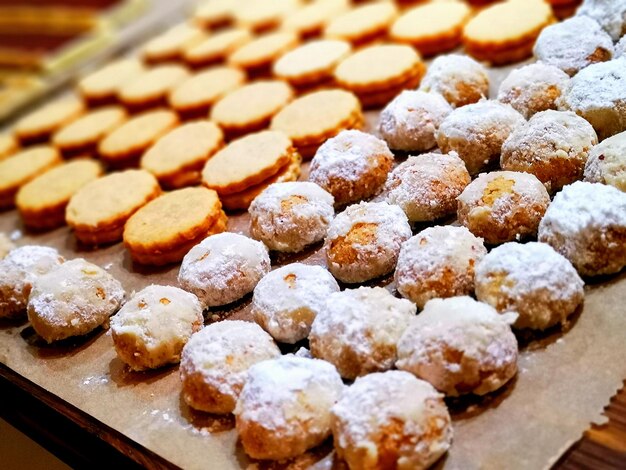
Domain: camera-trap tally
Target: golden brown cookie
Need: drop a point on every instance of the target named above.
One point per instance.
(177, 158)
(214, 13)
(257, 56)
(98, 211)
(311, 119)
(311, 19)
(8, 145)
(261, 15)
(100, 87)
(151, 88)
(251, 107)
(164, 230)
(363, 23)
(216, 47)
(42, 201)
(171, 45)
(22, 167)
(39, 125)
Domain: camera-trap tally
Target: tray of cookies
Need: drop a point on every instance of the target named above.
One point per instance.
(319, 235)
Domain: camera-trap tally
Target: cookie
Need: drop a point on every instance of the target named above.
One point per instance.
(610, 15)
(165, 229)
(310, 20)
(43, 200)
(257, 56)
(39, 125)
(260, 15)
(20, 168)
(214, 13)
(151, 88)
(100, 87)
(177, 158)
(363, 23)
(620, 47)
(124, 146)
(171, 45)
(216, 47)
(606, 162)
(8, 145)
(98, 211)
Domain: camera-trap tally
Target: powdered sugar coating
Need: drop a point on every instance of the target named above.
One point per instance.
(73, 299)
(532, 280)
(552, 145)
(18, 270)
(477, 131)
(458, 78)
(284, 407)
(223, 268)
(607, 162)
(503, 205)
(426, 186)
(460, 346)
(351, 166)
(358, 330)
(586, 223)
(410, 120)
(363, 241)
(215, 361)
(391, 418)
(6, 245)
(287, 300)
(290, 216)
(533, 88)
(620, 47)
(563, 45)
(438, 262)
(611, 14)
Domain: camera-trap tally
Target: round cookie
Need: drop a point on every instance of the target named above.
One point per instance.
(18, 271)
(43, 200)
(290, 216)
(586, 223)
(6, 245)
(358, 329)
(503, 205)
(458, 78)
(223, 268)
(410, 121)
(251, 107)
(533, 88)
(124, 146)
(311, 19)
(21, 168)
(151, 88)
(257, 56)
(98, 211)
(39, 125)
(214, 13)
(171, 45)
(432, 28)
(261, 15)
(563, 45)
(460, 346)
(426, 187)
(152, 328)
(477, 131)
(287, 300)
(177, 158)
(165, 229)
(391, 419)
(284, 407)
(363, 23)
(438, 263)
(215, 361)
(607, 162)
(216, 47)
(100, 87)
(84, 300)
(532, 280)
(352, 166)
(8, 145)
(363, 242)
(610, 14)
(552, 145)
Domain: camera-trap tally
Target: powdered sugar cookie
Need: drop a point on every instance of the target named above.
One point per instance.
(363, 23)
(170, 45)
(216, 47)
(607, 162)
(620, 48)
(39, 125)
(611, 15)
(101, 86)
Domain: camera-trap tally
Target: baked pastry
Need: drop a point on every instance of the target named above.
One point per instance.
(260, 15)
(151, 88)
(215, 361)
(363, 242)
(165, 229)
(171, 45)
(40, 124)
(358, 329)
(409, 122)
(438, 262)
(214, 13)
(287, 300)
(477, 131)
(610, 15)
(8, 145)
(563, 45)
(352, 166)
(460, 346)
(223, 268)
(100, 87)
(98, 211)
(606, 162)
(458, 78)
(363, 23)
(6, 245)
(291, 216)
(533, 88)
(177, 158)
(216, 47)
(22, 167)
(426, 187)
(532, 280)
(586, 223)
(311, 19)
(391, 420)
(151, 329)
(502, 206)
(84, 300)
(18, 271)
(257, 56)
(552, 145)
(43, 200)
(284, 407)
